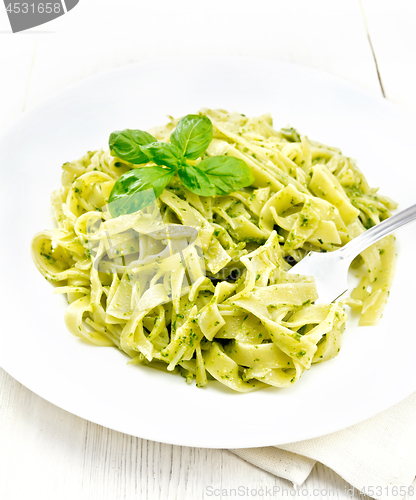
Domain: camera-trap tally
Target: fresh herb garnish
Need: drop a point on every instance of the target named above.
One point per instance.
(125, 198)
(164, 154)
(127, 145)
(196, 180)
(226, 173)
(217, 175)
(192, 135)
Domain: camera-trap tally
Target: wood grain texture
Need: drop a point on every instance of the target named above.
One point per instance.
(17, 62)
(322, 34)
(391, 27)
(47, 453)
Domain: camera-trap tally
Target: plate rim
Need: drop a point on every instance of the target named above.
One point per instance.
(32, 110)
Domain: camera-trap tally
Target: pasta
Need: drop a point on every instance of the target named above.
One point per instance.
(198, 285)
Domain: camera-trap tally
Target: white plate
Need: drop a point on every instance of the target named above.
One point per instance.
(375, 368)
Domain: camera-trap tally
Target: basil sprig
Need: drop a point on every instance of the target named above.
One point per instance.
(192, 135)
(127, 145)
(226, 173)
(217, 175)
(133, 189)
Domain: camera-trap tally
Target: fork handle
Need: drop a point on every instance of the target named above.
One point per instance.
(366, 239)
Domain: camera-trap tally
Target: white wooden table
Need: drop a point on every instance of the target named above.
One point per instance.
(49, 454)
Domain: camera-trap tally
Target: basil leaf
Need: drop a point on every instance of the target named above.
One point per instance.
(192, 135)
(138, 188)
(163, 153)
(127, 145)
(226, 173)
(196, 181)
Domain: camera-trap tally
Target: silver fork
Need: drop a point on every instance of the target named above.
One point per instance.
(330, 268)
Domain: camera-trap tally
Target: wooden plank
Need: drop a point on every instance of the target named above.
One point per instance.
(49, 454)
(391, 27)
(95, 36)
(17, 58)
